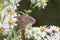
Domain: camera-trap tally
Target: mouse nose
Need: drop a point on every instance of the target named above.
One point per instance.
(33, 21)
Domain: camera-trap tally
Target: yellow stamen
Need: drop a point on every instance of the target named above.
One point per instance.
(2, 5)
(10, 22)
(42, 29)
(2, 29)
(8, 9)
(26, 33)
(43, 3)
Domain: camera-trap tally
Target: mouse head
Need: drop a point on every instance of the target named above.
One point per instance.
(26, 19)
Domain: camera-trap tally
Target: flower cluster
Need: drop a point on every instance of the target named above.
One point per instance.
(39, 3)
(42, 33)
(7, 15)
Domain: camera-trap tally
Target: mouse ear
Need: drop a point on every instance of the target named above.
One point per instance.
(22, 20)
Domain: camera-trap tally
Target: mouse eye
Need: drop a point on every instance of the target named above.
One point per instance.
(30, 19)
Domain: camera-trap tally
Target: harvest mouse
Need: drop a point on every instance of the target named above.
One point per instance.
(24, 20)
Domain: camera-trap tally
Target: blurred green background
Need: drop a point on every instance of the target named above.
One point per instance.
(48, 16)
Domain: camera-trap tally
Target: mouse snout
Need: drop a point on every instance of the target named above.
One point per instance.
(33, 21)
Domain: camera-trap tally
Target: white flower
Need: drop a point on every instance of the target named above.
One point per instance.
(7, 20)
(37, 34)
(34, 32)
(39, 3)
(4, 28)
